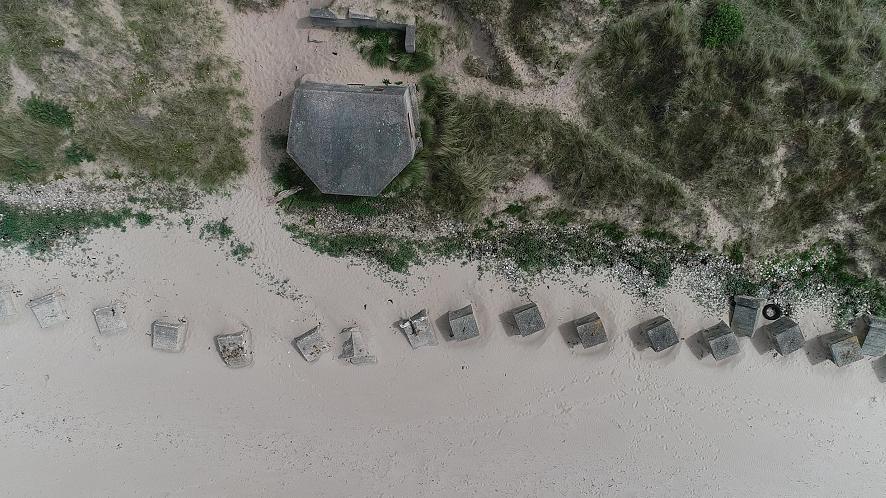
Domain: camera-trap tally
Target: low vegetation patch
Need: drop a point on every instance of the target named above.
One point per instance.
(395, 254)
(256, 5)
(386, 48)
(38, 231)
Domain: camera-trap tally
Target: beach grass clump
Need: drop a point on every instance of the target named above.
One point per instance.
(723, 26)
(385, 48)
(38, 231)
(256, 5)
(217, 230)
(47, 111)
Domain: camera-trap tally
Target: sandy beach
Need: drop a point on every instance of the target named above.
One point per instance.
(90, 415)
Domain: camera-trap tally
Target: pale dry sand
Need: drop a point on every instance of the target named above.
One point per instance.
(85, 415)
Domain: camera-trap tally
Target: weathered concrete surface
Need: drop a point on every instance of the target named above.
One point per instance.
(590, 330)
(528, 319)
(312, 344)
(721, 341)
(355, 349)
(328, 18)
(660, 333)
(8, 309)
(872, 334)
(744, 315)
(462, 324)
(419, 330)
(110, 319)
(49, 309)
(785, 335)
(352, 139)
(842, 346)
(169, 336)
(235, 349)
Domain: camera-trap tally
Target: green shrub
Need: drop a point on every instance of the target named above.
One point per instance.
(723, 26)
(77, 153)
(48, 112)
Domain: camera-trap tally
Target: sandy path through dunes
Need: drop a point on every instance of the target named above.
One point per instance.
(83, 415)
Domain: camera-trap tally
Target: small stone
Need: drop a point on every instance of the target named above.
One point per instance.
(660, 333)
(590, 330)
(49, 309)
(169, 336)
(235, 349)
(528, 319)
(312, 344)
(785, 335)
(721, 341)
(462, 324)
(355, 350)
(110, 320)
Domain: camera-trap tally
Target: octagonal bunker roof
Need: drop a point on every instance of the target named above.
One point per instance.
(353, 139)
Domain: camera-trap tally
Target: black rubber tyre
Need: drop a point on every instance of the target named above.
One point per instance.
(772, 311)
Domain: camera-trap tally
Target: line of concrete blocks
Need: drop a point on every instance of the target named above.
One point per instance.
(868, 337)
(326, 18)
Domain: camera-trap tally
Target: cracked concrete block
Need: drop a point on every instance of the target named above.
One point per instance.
(721, 341)
(312, 344)
(528, 319)
(355, 349)
(660, 333)
(462, 324)
(590, 330)
(419, 331)
(235, 349)
(785, 335)
(169, 336)
(49, 309)
(110, 319)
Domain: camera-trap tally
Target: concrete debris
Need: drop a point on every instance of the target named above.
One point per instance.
(842, 346)
(590, 330)
(744, 315)
(49, 309)
(235, 349)
(8, 310)
(462, 324)
(871, 331)
(312, 344)
(419, 330)
(721, 341)
(528, 319)
(169, 336)
(110, 319)
(355, 18)
(660, 333)
(785, 335)
(355, 349)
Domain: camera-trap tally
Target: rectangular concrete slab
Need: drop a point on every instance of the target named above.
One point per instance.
(721, 341)
(660, 333)
(872, 334)
(528, 319)
(419, 331)
(462, 324)
(312, 344)
(48, 309)
(110, 319)
(785, 335)
(235, 349)
(169, 336)
(744, 315)
(590, 330)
